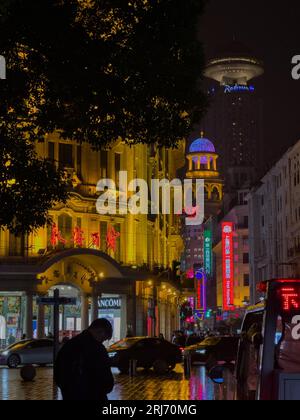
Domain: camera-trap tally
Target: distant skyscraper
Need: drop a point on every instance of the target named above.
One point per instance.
(234, 119)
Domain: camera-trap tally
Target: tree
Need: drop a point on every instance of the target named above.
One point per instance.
(99, 71)
(95, 71)
(29, 186)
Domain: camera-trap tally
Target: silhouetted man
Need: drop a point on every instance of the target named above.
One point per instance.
(82, 369)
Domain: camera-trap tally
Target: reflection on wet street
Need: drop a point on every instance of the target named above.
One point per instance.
(144, 386)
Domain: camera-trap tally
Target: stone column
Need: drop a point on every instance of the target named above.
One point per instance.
(95, 306)
(84, 311)
(41, 322)
(28, 315)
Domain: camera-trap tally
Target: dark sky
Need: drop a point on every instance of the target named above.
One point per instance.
(272, 30)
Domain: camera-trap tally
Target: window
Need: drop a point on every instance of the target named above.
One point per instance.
(66, 155)
(17, 245)
(79, 160)
(103, 233)
(246, 280)
(104, 163)
(51, 151)
(65, 227)
(246, 258)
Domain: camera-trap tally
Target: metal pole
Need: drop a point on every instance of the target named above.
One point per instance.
(56, 324)
(187, 366)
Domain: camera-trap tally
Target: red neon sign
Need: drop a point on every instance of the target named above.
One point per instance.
(228, 266)
(199, 295)
(289, 298)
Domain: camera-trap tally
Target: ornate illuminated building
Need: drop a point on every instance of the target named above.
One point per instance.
(197, 261)
(116, 266)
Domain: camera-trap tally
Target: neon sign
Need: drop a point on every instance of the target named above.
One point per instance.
(289, 298)
(56, 236)
(208, 252)
(228, 266)
(201, 289)
(238, 88)
(111, 238)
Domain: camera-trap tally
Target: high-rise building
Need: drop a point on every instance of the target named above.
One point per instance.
(234, 119)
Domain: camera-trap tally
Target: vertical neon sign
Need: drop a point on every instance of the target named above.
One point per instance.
(228, 267)
(208, 252)
(201, 290)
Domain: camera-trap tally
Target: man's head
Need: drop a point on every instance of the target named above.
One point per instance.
(101, 330)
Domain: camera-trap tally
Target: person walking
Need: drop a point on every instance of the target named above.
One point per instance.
(82, 369)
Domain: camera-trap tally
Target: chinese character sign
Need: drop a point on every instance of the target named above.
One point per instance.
(56, 237)
(208, 252)
(96, 239)
(228, 266)
(78, 237)
(111, 238)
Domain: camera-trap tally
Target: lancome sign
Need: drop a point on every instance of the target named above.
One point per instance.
(110, 303)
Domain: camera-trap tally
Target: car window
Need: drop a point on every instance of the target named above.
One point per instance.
(251, 319)
(19, 345)
(39, 344)
(124, 344)
(46, 343)
(211, 341)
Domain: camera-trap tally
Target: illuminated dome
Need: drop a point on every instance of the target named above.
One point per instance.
(202, 145)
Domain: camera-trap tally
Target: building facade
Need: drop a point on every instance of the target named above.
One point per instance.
(274, 222)
(202, 160)
(118, 266)
(235, 117)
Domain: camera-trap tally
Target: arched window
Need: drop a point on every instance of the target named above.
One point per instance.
(216, 194)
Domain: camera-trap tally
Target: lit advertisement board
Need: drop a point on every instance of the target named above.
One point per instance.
(208, 252)
(201, 289)
(228, 266)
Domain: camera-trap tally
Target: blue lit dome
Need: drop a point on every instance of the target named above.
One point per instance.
(202, 145)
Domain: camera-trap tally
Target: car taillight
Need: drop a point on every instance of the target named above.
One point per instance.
(181, 349)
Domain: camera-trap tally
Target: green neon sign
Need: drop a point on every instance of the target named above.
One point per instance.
(208, 252)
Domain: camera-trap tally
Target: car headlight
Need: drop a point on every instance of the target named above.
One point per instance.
(112, 354)
(5, 353)
(201, 352)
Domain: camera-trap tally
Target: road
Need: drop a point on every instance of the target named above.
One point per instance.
(142, 387)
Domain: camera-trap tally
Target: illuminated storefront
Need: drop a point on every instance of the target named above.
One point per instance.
(98, 256)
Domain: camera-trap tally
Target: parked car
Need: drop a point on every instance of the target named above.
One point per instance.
(33, 352)
(161, 355)
(213, 350)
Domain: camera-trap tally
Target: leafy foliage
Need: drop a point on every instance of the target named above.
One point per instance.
(29, 186)
(99, 71)
(95, 71)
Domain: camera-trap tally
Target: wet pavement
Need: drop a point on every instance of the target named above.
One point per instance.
(149, 386)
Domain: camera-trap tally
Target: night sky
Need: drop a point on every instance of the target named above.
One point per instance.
(272, 30)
